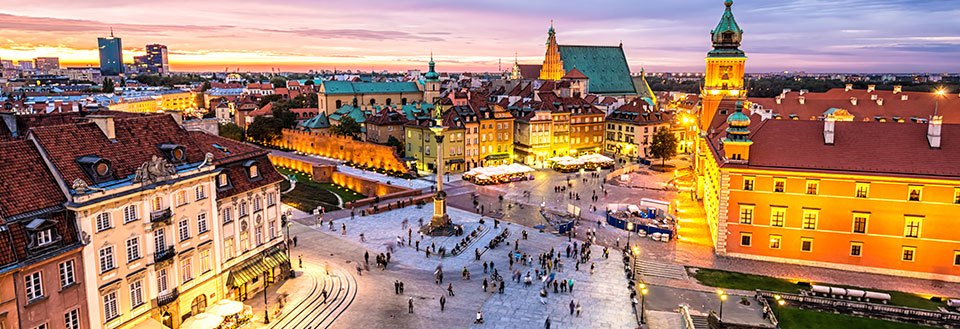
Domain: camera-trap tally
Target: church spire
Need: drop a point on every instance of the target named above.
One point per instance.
(552, 64)
(432, 73)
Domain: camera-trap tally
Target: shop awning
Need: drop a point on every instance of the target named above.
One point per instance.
(497, 156)
(255, 266)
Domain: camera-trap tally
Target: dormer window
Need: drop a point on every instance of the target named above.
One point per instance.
(223, 181)
(42, 233)
(97, 168)
(174, 152)
(253, 169)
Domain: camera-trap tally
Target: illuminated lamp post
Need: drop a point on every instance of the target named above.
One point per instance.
(643, 294)
(723, 298)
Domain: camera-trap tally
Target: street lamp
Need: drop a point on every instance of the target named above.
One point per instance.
(266, 309)
(939, 93)
(723, 298)
(643, 294)
(779, 302)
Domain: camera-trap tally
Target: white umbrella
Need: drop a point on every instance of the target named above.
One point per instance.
(225, 307)
(202, 321)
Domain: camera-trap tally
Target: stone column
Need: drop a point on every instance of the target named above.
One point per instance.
(440, 218)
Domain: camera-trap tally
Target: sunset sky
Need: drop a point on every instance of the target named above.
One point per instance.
(298, 35)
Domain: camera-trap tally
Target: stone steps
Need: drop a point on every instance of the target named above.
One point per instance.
(700, 322)
(658, 269)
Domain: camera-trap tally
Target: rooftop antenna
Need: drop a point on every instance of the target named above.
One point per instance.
(111, 31)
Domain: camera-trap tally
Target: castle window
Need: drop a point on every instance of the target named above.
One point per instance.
(746, 239)
(915, 192)
(779, 185)
(746, 214)
(863, 190)
(860, 222)
(810, 219)
(856, 249)
(813, 186)
(777, 215)
(775, 241)
(912, 225)
(806, 244)
(748, 183)
(908, 254)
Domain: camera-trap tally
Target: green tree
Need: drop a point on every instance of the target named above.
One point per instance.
(278, 82)
(347, 127)
(108, 86)
(309, 82)
(206, 86)
(268, 99)
(264, 129)
(231, 131)
(396, 144)
(663, 145)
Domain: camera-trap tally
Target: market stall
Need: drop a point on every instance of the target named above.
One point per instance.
(656, 223)
(592, 161)
(499, 174)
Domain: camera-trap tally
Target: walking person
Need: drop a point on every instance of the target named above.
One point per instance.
(546, 324)
(401, 287)
(579, 309)
(450, 289)
(573, 306)
(300, 258)
(410, 305)
(366, 257)
(443, 302)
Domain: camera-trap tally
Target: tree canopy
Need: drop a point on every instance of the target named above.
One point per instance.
(231, 131)
(347, 127)
(663, 145)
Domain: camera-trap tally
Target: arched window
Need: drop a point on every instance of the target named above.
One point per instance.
(403, 101)
(389, 101)
(254, 171)
(339, 103)
(373, 101)
(129, 213)
(199, 304)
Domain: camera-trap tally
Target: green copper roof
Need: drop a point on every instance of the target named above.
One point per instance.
(349, 110)
(318, 122)
(354, 88)
(411, 112)
(727, 35)
(432, 73)
(605, 66)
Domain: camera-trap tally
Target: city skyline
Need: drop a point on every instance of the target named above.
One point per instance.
(806, 35)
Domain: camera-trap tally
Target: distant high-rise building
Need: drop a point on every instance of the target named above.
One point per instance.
(157, 59)
(111, 55)
(46, 64)
(141, 64)
(25, 65)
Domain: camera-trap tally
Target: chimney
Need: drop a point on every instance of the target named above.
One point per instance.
(779, 99)
(873, 97)
(177, 116)
(829, 125)
(897, 89)
(871, 88)
(903, 97)
(880, 101)
(803, 91)
(105, 123)
(785, 91)
(803, 100)
(853, 100)
(849, 87)
(933, 131)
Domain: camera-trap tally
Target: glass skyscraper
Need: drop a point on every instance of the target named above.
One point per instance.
(111, 55)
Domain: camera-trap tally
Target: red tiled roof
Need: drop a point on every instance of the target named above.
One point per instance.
(265, 110)
(137, 141)
(240, 180)
(530, 71)
(574, 74)
(25, 182)
(917, 104)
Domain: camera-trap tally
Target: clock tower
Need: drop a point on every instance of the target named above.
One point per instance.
(725, 67)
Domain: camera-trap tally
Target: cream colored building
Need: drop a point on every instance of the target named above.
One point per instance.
(150, 198)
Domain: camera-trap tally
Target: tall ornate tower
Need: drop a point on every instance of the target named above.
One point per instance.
(431, 83)
(736, 146)
(725, 64)
(552, 65)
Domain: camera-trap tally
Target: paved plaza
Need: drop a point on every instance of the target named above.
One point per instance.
(603, 296)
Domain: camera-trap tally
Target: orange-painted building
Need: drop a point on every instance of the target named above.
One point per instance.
(868, 196)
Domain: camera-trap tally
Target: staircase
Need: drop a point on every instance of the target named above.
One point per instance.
(700, 322)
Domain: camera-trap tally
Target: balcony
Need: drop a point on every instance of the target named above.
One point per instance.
(167, 297)
(164, 254)
(161, 216)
